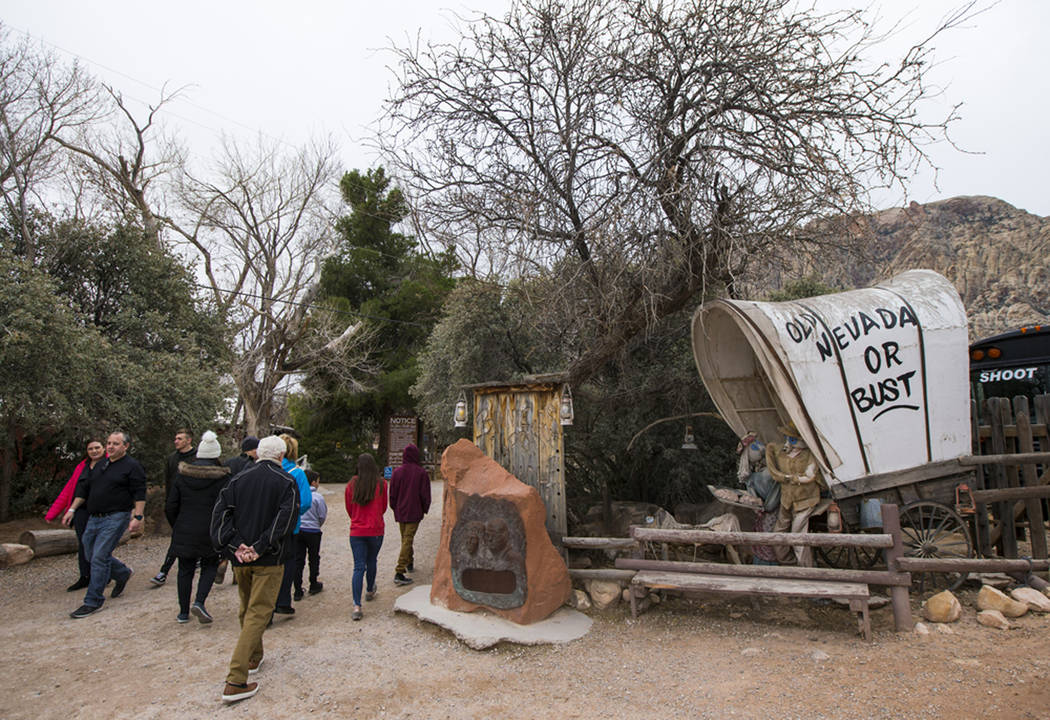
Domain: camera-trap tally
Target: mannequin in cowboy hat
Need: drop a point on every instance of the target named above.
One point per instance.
(793, 465)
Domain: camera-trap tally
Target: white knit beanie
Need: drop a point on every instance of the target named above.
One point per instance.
(209, 446)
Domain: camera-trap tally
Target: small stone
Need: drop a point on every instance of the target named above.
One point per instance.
(626, 595)
(993, 619)
(579, 600)
(654, 598)
(751, 652)
(604, 593)
(942, 607)
(1034, 599)
(944, 629)
(820, 655)
(991, 599)
(921, 628)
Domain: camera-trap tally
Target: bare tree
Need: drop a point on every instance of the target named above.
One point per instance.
(646, 153)
(262, 222)
(40, 98)
(127, 158)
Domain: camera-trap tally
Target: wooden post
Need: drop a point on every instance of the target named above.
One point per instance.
(891, 525)
(1033, 507)
(984, 545)
(1007, 539)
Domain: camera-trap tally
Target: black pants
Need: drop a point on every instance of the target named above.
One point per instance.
(284, 596)
(80, 518)
(187, 566)
(308, 545)
(169, 559)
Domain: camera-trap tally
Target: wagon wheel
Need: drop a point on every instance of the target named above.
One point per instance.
(932, 530)
(850, 558)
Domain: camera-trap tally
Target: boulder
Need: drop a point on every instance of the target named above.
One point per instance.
(1035, 600)
(604, 593)
(494, 551)
(991, 599)
(993, 619)
(942, 607)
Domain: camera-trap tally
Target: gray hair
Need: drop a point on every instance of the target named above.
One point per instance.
(271, 448)
(123, 435)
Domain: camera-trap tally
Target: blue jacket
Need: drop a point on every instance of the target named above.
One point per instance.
(305, 494)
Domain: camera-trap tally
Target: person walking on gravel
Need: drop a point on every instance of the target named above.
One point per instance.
(184, 452)
(410, 499)
(188, 509)
(366, 500)
(252, 524)
(115, 495)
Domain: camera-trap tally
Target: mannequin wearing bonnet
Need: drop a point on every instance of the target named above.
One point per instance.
(794, 467)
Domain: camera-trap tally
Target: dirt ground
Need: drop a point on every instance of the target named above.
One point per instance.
(684, 658)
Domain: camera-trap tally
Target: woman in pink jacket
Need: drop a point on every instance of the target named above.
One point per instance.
(95, 452)
(365, 504)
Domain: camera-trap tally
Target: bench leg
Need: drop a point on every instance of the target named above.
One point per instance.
(634, 603)
(863, 618)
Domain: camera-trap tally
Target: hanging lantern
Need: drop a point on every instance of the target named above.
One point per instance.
(565, 409)
(689, 442)
(834, 518)
(459, 416)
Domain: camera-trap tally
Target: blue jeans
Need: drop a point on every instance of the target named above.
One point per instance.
(366, 552)
(100, 539)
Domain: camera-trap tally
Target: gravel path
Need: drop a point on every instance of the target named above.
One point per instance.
(684, 658)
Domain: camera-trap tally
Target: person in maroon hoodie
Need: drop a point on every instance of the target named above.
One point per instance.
(410, 499)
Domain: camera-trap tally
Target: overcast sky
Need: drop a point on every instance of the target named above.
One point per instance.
(291, 69)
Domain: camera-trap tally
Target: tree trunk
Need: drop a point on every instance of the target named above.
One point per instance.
(12, 554)
(7, 472)
(49, 542)
(258, 408)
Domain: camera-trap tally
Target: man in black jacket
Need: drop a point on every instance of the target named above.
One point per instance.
(184, 452)
(247, 457)
(115, 495)
(252, 524)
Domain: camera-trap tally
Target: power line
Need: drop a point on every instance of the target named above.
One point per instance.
(312, 306)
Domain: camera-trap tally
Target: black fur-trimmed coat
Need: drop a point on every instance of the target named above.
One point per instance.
(197, 485)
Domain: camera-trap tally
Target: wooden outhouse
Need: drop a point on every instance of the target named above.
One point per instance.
(518, 424)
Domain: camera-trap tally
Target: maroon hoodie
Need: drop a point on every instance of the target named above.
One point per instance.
(410, 488)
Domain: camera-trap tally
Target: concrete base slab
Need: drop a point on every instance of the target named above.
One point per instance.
(480, 630)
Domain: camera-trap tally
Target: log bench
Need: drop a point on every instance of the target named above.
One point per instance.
(856, 594)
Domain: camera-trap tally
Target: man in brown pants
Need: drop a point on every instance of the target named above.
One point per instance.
(252, 524)
(410, 499)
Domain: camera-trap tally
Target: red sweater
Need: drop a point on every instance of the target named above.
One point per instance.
(366, 520)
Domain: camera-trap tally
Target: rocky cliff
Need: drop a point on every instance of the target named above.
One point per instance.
(997, 256)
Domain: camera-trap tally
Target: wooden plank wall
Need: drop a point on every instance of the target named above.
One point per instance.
(1005, 426)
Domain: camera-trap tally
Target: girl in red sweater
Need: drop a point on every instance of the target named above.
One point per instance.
(366, 501)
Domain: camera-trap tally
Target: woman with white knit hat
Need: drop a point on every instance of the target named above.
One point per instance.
(189, 507)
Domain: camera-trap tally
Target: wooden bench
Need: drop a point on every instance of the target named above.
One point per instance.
(856, 594)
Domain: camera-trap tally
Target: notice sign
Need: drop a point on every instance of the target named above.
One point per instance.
(401, 431)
